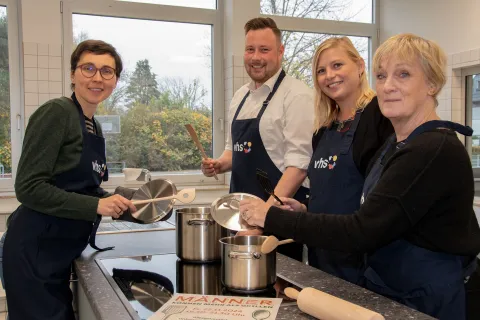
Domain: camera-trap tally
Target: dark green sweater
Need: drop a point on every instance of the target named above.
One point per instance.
(53, 145)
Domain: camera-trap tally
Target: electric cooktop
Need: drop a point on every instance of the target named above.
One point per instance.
(145, 283)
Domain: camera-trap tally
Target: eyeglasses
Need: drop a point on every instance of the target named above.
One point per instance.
(89, 70)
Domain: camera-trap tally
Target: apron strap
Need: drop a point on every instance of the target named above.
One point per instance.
(350, 134)
(267, 100)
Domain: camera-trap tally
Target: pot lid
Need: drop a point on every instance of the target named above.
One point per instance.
(225, 211)
(152, 212)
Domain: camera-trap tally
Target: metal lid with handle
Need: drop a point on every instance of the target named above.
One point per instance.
(225, 211)
(154, 211)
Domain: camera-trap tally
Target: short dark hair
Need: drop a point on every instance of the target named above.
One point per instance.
(95, 47)
(263, 23)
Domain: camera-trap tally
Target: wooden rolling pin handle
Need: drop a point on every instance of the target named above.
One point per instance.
(291, 293)
(327, 307)
(286, 241)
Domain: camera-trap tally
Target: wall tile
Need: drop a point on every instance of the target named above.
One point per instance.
(449, 59)
(457, 58)
(465, 56)
(43, 97)
(43, 87)
(54, 50)
(237, 83)
(30, 74)
(30, 48)
(54, 95)
(55, 87)
(457, 116)
(43, 73)
(229, 84)
(54, 63)
(238, 61)
(54, 75)
(31, 99)
(29, 110)
(238, 72)
(474, 54)
(456, 93)
(456, 82)
(31, 86)
(43, 62)
(456, 105)
(43, 49)
(448, 105)
(29, 61)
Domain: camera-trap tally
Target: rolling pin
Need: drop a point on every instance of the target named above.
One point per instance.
(323, 306)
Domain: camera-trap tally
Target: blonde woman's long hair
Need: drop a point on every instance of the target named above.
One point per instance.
(326, 108)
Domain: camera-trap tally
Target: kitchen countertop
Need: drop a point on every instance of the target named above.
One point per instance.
(107, 305)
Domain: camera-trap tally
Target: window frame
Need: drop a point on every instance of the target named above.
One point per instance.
(168, 13)
(17, 123)
(466, 72)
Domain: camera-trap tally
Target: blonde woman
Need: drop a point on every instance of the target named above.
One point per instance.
(349, 129)
(417, 221)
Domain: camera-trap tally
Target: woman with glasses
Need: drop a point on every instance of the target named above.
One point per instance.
(58, 181)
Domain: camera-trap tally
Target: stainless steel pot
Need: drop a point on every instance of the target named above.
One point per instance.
(244, 267)
(197, 235)
(198, 278)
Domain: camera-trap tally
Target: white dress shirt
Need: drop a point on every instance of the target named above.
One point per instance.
(286, 127)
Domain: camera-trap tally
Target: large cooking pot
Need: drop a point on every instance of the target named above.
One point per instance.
(244, 267)
(198, 278)
(198, 235)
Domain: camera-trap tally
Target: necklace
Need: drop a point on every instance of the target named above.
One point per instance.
(341, 124)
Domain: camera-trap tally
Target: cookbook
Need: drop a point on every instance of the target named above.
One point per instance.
(208, 307)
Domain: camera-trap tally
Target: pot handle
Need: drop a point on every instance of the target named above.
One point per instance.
(244, 255)
(200, 222)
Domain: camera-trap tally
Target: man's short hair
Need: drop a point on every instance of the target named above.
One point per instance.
(263, 23)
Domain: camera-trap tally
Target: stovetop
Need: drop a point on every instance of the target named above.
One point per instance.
(145, 283)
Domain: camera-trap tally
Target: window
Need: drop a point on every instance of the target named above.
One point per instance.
(166, 83)
(300, 48)
(472, 109)
(339, 10)
(10, 111)
(206, 4)
(307, 23)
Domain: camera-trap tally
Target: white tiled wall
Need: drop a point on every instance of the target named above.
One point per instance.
(42, 74)
(451, 101)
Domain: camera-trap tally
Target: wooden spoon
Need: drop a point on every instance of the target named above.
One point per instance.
(271, 243)
(184, 196)
(194, 136)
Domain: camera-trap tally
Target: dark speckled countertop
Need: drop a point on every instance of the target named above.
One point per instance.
(108, 306)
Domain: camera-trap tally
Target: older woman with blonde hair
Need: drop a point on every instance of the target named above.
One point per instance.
(416, 220)
(349, 129)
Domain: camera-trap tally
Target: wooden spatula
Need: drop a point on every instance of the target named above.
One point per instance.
(271, 243)
(184, 196)
(194, 136)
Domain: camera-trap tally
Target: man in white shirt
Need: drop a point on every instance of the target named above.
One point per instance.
(271, 121)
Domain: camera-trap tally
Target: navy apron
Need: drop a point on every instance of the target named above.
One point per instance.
(428, 281)
(40, 248)
(335, 188)
(249, 153)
